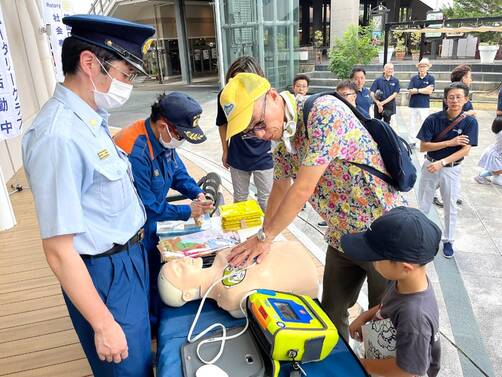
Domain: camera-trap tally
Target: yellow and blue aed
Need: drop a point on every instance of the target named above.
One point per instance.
(290, 327)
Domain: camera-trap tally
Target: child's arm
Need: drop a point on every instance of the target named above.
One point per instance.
(355, 326)
(384, 368)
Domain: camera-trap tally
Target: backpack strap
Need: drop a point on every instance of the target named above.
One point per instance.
(309, 103)
(370, 169)
(307, 108)
(443, 133)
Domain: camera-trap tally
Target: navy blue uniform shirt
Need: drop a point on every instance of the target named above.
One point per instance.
(156, 170)
(420, 100)
(246, 154)
(499, 105)
(435, 123)
(388, 87)
(364, 101)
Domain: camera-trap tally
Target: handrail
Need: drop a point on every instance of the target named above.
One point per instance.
(102, 5)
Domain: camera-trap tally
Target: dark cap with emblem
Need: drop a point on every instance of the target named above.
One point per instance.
(124, 38)
(183, 112)
(403, 234)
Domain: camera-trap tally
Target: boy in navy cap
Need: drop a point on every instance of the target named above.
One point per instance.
(401, 335)
(151, 146)
(88, 211)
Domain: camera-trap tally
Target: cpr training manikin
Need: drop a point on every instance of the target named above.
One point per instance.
(286, 268)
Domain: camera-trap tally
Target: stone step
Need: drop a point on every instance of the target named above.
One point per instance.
(402, 100)
(495, 77)
(437, 67)
(440, 84)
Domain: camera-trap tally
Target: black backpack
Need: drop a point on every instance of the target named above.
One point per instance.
(395, 151)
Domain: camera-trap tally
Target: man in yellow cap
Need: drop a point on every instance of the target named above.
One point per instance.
(317, 156)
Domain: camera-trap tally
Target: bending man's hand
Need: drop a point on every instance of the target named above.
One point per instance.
(245, 253)
(111, 343)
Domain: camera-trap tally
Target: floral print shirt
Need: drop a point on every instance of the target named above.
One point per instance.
(347, 197)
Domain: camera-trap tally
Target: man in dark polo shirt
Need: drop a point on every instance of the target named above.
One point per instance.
(384, 91)
(442, 165)
(420, 88)
(363, 99)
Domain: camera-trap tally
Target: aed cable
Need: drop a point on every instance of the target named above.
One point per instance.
(223, 338)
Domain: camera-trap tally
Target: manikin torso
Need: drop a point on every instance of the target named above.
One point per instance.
(288, 267)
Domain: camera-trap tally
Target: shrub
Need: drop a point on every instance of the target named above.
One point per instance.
(355, 47)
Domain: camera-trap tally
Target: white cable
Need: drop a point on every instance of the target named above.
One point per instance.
(223, 338)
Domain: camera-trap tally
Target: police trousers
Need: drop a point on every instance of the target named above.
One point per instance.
(448, 181)
(121, 281)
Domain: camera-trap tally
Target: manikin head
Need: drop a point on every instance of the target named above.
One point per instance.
(179, 281)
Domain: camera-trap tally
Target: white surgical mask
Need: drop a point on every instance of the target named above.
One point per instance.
(118, 93)
(174, 143)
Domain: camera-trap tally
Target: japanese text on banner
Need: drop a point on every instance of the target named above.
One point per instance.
(10, 109)
(54, 11)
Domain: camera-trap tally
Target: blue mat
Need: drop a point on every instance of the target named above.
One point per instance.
(175, 324)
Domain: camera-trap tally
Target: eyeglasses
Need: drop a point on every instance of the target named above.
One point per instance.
(173, 132)
(455, 98)
(130, 76)
(250, 132)
(347, 94)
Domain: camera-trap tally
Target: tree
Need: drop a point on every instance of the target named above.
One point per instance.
(476, 8)
(355, 47)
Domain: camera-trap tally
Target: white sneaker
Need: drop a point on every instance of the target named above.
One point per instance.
(482, 180)
(497, 180)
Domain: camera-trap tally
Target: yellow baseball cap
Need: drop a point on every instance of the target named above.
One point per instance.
(237, 100)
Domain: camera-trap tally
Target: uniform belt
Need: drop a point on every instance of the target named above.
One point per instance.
(450, 165)
(116, 248)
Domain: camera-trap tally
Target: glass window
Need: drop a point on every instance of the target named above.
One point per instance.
(265, 29)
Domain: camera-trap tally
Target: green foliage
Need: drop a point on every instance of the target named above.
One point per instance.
(473, 8)
(415, 38)
(399, 38)
(353, 48)
(477, 8)
(318, 38)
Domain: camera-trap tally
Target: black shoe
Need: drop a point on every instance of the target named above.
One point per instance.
(460, 202)
(322, 224)
(437, 202)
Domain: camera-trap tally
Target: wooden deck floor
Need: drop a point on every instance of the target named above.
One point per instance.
(36, 334)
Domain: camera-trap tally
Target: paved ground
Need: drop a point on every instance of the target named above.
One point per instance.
(469, 287)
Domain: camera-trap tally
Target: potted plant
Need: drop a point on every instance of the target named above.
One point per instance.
(415, 39)
(488, 47)
(377, 42)
(318, 42)
(400, 46)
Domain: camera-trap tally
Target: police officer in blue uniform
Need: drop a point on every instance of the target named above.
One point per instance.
(384, 91)
(363, 99)
(89, 214)
(151, 147)
(445, 153)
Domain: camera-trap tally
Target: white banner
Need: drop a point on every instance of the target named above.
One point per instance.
(11, 120)
(54, 11)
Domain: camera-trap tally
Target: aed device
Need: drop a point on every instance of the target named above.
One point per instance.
(290, 327)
